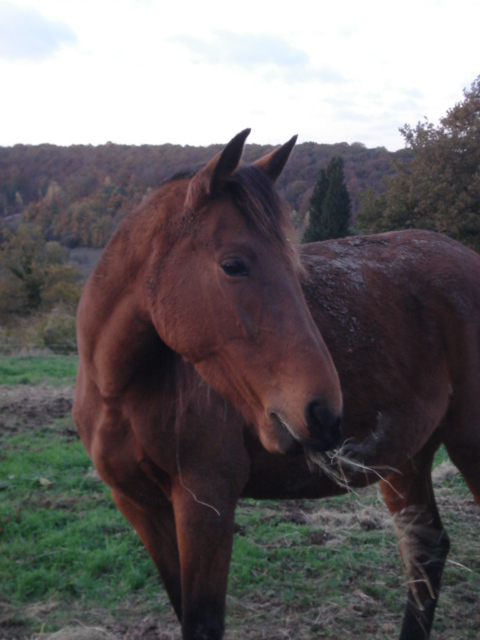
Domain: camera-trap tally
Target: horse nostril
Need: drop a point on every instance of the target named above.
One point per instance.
(323, 425)
(319, 417)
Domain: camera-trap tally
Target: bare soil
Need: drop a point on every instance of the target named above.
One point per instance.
(24, 408)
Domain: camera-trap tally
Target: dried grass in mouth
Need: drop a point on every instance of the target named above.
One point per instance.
(344, 469)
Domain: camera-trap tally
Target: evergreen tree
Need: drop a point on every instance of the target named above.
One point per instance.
(315, 208)
(330, 205)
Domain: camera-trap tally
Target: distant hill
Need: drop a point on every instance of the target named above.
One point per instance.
(79, 193)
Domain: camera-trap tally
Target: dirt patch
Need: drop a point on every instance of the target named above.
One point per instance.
(23, 408)
(132, 622)
(77, 633)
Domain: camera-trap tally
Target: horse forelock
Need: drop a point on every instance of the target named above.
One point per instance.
(263, 210)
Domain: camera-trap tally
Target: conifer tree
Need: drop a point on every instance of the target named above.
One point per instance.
(330, 205)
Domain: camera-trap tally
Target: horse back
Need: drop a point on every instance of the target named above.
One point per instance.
(400, 314)
(414, 286)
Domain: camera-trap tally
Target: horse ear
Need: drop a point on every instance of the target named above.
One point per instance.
(274, 163)
(210, 180)
(224, 164)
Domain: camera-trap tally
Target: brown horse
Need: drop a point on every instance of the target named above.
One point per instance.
(198, 294)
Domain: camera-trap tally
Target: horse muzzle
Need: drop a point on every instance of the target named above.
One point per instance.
(322, 433)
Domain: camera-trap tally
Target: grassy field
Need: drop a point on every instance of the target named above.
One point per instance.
(302, 570)
(52, 370)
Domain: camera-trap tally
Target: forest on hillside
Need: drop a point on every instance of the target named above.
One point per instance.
(78, 194)
(60, 205)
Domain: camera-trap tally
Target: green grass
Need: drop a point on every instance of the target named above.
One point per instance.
(285, 561)
(314, 569)
(59, 530)
(62, 539)
(30, 370)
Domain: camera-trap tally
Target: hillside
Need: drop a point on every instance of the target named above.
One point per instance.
(79, 193)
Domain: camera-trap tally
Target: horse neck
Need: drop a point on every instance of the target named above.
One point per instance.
(114, 323)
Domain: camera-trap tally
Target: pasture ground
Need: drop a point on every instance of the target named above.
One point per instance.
(72, 568)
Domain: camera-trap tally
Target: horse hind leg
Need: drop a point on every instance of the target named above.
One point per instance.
(462, 442)
(424, 543)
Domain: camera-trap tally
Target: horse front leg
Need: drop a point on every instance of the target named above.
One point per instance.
(205, 540)
(424, 543)
(155, 527)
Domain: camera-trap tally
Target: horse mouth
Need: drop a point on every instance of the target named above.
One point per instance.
(329, 444)
(312, 447)
(288, 441)
(280, 423)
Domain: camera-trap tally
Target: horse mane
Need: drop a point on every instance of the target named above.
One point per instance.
(182, 174)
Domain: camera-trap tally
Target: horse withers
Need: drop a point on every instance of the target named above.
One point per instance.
(160, 340)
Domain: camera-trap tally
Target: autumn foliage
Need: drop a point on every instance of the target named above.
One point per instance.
(56, 199)
(78, 194)
(439, 189)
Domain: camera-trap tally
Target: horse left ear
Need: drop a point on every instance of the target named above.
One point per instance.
(210, 180)
(274, 163)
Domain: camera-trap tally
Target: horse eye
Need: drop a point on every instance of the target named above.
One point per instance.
(235, 268)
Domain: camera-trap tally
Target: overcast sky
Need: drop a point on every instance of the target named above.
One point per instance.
(197, 72)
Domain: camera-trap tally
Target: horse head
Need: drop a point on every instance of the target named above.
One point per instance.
(225, 294)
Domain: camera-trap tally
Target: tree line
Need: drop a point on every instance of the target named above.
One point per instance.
(78, 194)
(68, 198)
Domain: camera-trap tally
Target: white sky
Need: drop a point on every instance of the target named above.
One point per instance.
(197, 72)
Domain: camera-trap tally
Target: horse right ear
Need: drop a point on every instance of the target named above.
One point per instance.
(210, 180)
(273, 163)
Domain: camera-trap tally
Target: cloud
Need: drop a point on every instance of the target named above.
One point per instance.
(328, 75)
(271, 54)
(352, 115)
(252, 52)
(413, 92)
(25, 34)
(347, 32)
(246, 51)
(406, 104)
